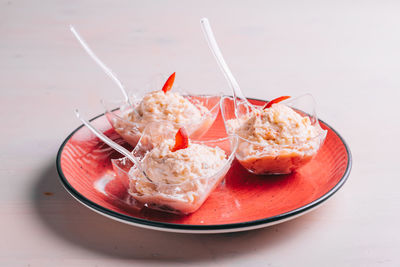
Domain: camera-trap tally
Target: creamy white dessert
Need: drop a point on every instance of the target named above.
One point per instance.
(181, 180)
(169, 106)
(276, 139)
(160, 106)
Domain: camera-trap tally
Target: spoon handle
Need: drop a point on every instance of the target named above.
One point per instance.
(107, 70)
(111, 143)
(212, 43)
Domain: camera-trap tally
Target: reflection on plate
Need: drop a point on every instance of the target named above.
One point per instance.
(242, 202)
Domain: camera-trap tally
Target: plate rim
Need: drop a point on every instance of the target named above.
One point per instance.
(197, 228)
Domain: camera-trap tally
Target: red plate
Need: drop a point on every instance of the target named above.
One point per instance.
(244, 201)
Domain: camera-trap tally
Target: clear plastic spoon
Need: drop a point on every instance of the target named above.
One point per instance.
(107, 70)
(112, 144)
(212, 43)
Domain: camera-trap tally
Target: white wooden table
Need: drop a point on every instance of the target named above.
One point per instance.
(346, 54)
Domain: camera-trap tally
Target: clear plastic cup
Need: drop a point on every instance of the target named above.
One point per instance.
(262, 158)
(131, 131)
(117, 111)
(182, 197)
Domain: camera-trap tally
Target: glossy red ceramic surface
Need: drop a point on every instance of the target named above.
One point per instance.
(243, 199)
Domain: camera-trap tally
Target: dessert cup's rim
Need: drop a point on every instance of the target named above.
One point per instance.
(191, 228)
(288, 100)
(209, 113)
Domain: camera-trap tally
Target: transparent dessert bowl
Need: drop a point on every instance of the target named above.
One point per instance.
(182, 197)
(131, 131)
(274, 159)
